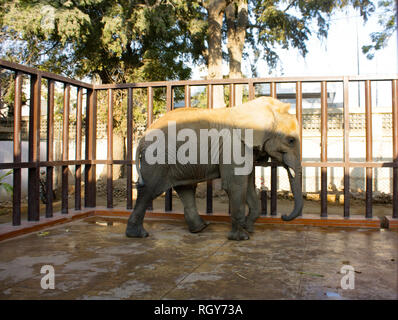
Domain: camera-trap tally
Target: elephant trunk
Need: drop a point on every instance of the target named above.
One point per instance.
(295, 184)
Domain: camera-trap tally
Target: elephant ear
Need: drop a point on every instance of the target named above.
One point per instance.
(280, 107)
(258, 115)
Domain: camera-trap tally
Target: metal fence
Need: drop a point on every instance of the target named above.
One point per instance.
(89, 161)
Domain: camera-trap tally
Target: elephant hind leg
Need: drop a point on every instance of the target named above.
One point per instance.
(187, 195)
(135, 228)
(253, 204)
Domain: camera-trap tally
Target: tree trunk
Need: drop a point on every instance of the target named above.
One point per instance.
(236, 19)
(215, 10)
(119, 152)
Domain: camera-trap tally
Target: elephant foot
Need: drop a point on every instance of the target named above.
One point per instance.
(136, 231)
(238, 235)
(199, 228)
(249, 226)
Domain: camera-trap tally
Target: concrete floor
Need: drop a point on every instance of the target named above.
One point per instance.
(94, 260)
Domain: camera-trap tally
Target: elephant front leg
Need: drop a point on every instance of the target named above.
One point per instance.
(253, 204)
(236, 189)
(187, 196)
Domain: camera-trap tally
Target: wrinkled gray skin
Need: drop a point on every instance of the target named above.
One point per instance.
(240, 188)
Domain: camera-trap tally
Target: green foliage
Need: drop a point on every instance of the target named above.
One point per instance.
(7, 187)
(114, 41)
(7, 85)
(388, 23)
(117, 41)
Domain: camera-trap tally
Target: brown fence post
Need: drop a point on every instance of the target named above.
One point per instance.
(324, 144)
(299, 116)
(34, 149)
(395, 147)
(232, 100)
(187, 96)
(369, 149)
(346, 148)
(50, 147)
(109, 165)
(209, 184)
(16, 209)
(252, 92)
(129, 188)
(274, 168)
(65, 149)
(91, 141)
(149, 122)
(168, 205)
(78, 151)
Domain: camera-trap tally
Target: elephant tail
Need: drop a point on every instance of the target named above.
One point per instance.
(137, 164)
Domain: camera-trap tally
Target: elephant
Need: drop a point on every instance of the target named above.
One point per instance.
(270, 131)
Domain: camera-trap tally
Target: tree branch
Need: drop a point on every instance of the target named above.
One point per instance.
(289, 5)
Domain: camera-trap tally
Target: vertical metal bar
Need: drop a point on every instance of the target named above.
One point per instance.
(346, 148)
(273, 90)
(169, 98)
(149, 122)
(299, 116)
(324, 143)
(209, 184)
(187, 96)
(16, 209)
(369, 156)
(34, 149)
(129, 188)
(299, 113)
(65, 148)
(150, 107)
(395, 147)
(274, 168)
(232, 97)
(274, 188)
(78, 151)
(263, 197)
(168, 200)
(210, 96)
(50, 147)
(231, 104)
(91, 140)
(168, 205)
(252, 93)
(209, 197)
(109, 166)
(263, 193)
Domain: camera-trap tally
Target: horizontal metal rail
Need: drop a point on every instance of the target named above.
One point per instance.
(245, 81)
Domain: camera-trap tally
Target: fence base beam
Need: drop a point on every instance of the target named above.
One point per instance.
(7, 230)
(390, 222)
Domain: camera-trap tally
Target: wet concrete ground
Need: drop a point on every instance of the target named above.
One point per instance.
(93, 259)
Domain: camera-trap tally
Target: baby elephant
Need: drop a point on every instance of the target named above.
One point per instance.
(188, 146)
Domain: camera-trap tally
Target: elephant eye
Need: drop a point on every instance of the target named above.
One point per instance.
(291, 140)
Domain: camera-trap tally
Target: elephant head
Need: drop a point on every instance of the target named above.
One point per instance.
(275, 134)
